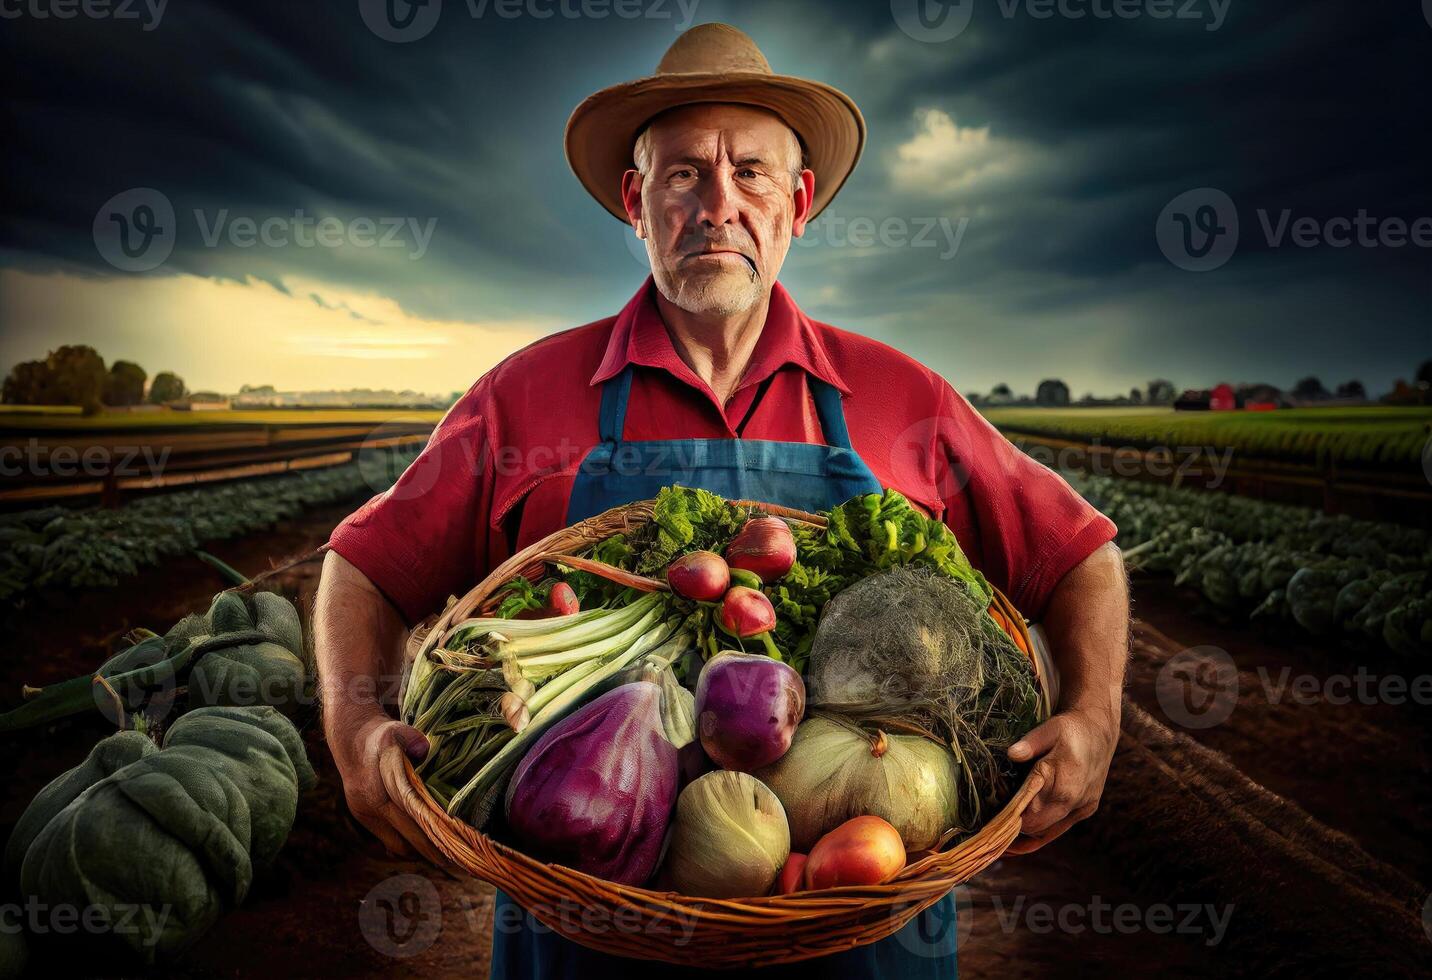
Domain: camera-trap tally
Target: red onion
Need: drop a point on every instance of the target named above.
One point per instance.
(764, 546)
(747, 709)
(701, 575)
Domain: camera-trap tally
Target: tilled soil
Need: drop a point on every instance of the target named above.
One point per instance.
(337, 905)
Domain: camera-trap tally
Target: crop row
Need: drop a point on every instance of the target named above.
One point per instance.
(1364, 584)
(61, 548)
(1362, 437)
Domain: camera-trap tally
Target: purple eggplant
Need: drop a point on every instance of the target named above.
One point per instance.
(595, 793)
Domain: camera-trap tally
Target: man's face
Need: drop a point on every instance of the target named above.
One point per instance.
(718, 205)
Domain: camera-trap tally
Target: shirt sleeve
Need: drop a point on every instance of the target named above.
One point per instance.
(426, 537)
(1021, 523)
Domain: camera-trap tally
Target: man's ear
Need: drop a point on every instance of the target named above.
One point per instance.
(631, 200)
(804, 197)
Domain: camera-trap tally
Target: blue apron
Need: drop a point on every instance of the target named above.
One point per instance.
(801, 475)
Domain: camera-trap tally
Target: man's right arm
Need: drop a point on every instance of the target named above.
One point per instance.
(358, 642)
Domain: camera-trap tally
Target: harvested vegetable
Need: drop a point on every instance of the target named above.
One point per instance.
(747, 709)
(747, 614)
(700, 575)
(596, 791)
(861, 851)
(764, 546)
(836, 771)
(792, 874)
(918, 649)
(729, 838)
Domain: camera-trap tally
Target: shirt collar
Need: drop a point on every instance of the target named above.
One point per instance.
(789, 337)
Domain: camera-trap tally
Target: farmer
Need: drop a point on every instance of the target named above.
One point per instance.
(712, 376)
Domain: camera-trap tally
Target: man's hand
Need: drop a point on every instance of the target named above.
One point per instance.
(360, 751)
(1087, 621)
(358, 641)
(1074, 749)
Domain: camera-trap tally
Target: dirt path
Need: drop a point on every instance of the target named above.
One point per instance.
(334, 904)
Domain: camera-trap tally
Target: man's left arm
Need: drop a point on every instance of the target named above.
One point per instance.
(1087, 623)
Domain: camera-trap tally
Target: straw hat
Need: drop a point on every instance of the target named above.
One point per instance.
(712, 63)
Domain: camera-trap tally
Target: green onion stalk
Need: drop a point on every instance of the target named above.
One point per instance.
(497, 684)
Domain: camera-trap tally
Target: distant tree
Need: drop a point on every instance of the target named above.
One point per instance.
(1424, 374)
(125, 384)
(28, 383)
(1310, 389)
(1352, 389)
(77, 376)
(1052, 391)
(167, 387)
(1136, 396)
(1001, 390)
(1161, 392)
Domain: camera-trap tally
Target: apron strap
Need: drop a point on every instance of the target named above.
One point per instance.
(616, 392)
(830, 412)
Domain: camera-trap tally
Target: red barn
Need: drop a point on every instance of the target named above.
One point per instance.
(1222, 399)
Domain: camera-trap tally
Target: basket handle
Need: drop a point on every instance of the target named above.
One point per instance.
(397, 774)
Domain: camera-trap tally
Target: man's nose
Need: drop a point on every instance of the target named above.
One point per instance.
(716, 201)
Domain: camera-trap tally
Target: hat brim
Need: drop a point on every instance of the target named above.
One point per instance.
(601, 130)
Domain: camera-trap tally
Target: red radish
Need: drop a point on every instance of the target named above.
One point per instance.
(791, 874)
(746, 613)
(701, 575)
(562, 600)
(765, 546)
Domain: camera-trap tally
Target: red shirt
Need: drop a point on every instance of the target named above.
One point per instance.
(498, 470)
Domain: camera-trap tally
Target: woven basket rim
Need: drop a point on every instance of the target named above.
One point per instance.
(467, 849)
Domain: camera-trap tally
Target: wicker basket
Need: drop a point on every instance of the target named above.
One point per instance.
(679, 929)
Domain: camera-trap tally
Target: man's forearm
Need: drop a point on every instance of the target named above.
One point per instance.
(358, 643)
(1087, 621)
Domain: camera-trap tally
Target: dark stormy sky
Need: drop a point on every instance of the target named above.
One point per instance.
(1010, 219)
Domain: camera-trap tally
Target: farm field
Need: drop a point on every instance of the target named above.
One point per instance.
(314, 898)
(1373, 437)
(50, 420)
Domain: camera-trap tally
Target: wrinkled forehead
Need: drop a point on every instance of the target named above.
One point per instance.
(712, 130)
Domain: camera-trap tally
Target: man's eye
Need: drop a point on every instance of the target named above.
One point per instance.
(748, 172)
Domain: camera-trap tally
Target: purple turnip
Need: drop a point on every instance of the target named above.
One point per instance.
(747, 709)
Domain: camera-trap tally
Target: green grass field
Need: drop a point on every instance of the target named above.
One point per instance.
(168, 418)
(1376, 436)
